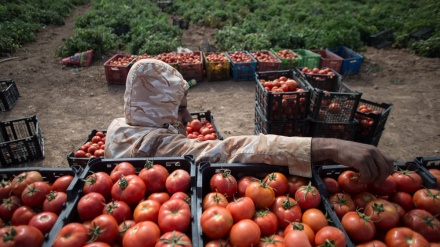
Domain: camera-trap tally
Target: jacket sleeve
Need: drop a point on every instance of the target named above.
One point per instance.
(293, 152)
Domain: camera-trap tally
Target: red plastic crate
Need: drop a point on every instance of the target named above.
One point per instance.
(191, 70)
(329, 59)
(117, 74)
(266, 66)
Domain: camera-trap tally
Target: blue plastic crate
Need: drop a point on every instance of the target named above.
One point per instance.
(352, 60)
(244, 71)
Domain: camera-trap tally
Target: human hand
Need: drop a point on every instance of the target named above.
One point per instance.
(372, 164)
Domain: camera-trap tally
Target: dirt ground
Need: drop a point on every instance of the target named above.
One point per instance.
(70, 103)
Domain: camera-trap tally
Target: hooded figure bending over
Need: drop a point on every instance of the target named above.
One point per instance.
(154, 125)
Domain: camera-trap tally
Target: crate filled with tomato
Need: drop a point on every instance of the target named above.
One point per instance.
(130, 202)
(308, 58)
(266, 61)
(243, 65)
(93, 147)
(251, 204)
(289, 58)
(203, 127)
(401, 207)
(32, 201)
(431, 165)
(191, 65)
(143, 56)
(117, 68)
(169, 58)
(217, 66)
(324, 78)
(281, 95)
(329, 60)
(299, 127)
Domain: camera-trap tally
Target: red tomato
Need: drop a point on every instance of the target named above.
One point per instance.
(218, 243)
(120, 210)
(297, 239)
(372, 243)
(216, 222)
(160, 197)
(97, 244)
(145, 233)
(383, 214)
(99, 182)
(54, 202)
(224, 183)
(100, 134)
(404, 237)
(35, 193)
(423, 222)
(44, 221)
(271, 241)
(241, 208)
(24, 235)
(244, 233)
(72, 235)
(262, 194)
(287, 210)
(358, 226)
(195, 125)
(278, 182)
(121, 169)
(342, 204)
(5, 189)
(314, 218)
(362, 199)
(23, 215)
(104, 229)
(8, 207)
(294, 182)
(62, 183)
(407, 181)
(178, 181)
(297, 226)
(80, 153)
(332, 185)
(383, 189)
(427, 199)
(181, 195)
(349, 182)
(242, 185)
(267, 221)
(20, 182)
(405, 200)
(90, 205)
(154, 177)
(130, 189)
(147, 210)
(330, 233)
(174, 215)
(214, 199)
(308, 197)
(174, 239)
(400, 211)
(122, 228)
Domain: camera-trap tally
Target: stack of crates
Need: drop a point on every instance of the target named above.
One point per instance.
(281, 113)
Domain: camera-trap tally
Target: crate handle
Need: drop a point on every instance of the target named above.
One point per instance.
(115, 68)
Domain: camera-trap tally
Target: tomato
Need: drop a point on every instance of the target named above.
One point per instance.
(181, 195)
(298, 226)
(130, 189)
(294, 182)
(342, 204)
(404, 237)
(62, 183)
(330, 234)
(243, 183)
(214, 199)
(407, 181)
(90, 205)
(20, 182)
(174, 239)
(286, 209)
(278, 182)
(120, 210)
(383, 189)
(216, 222)
(262, 194)
(224, 183)
(427, 199)
(5, 189)
(8, 207)
(160, 197)
(423, 222)
(97, 244)
(405, 200)
(23, 235)
(144, 233)
(100, 134)
(23, 215)
(104, 229)
(54, 202)
(218, 243)
(267, 221)
(271, 241)
(121, 169)
(99, 182)
(296, 239)
(362, 199)
(174, 215)
(308, 197)
(244, 233)
(44, 221)
(358, 226)
(147, 210)
(154, 177)
(332, 185)
(400, 211)
(241, 208)
(178, 181)
(349, 182)
(372, 243)
(383, 213)
(314, 218)
(195, 125)
(35, 193)
(122, 228)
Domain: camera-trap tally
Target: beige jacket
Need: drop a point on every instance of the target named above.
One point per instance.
(153, 93)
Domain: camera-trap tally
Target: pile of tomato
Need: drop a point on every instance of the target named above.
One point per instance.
(93, 148)
(275, 210)
(201, 130)
(397, 212)
(287, 54)
(122, 60)
(30, 207)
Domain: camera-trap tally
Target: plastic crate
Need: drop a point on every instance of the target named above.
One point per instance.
(352, 60)
(323, 81)
(21, 141)
(8, 95)
(117, 74)
(344, 131)
(217, 71)
(206, 170)
(329, 60)
(244, 71)
(267, 66)
(309, 59)
(191, 70)
(207, 116)
(285, 62)
(282, 106)
(427, 163)
(70, 213)
(82, 162)
(422, 33)
(168, 56)
(381, 39)
(372, 123)
(284, 128)
(368, 140)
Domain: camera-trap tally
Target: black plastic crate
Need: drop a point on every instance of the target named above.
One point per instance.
(70, 213)
(243, 71)
(372, 118)
(381, 39)
(427, 163)
(206, 170)
(8, 94)
(207, 115)
(82, 162)
(282, 106)
(283, 127)
(323, 81)
(21, 141)
(217, 71)
(422, 33)
(344, 131)
(369, 140)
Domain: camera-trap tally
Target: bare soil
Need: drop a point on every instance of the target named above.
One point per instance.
(71, 102)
